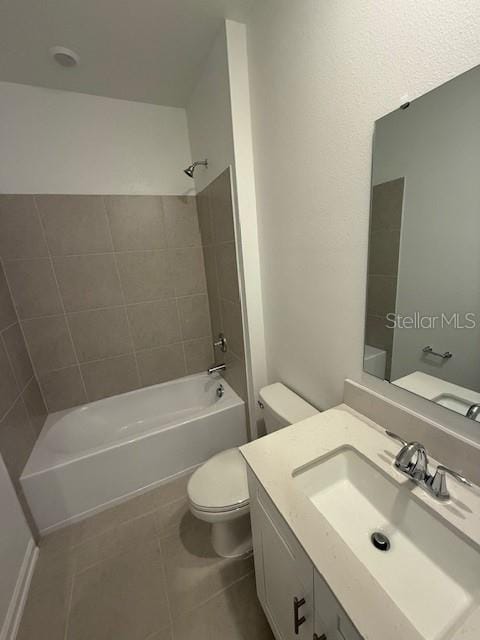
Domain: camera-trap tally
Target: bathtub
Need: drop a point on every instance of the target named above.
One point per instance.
(98, 454)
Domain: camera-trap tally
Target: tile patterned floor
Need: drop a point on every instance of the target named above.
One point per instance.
(143, 570)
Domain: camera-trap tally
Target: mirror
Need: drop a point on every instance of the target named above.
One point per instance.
(423, 295)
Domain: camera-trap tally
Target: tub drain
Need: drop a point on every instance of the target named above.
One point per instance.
(380, 541)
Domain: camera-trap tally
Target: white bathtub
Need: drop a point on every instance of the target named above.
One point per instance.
(93, 456)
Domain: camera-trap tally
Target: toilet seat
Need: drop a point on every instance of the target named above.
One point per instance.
(220, 485)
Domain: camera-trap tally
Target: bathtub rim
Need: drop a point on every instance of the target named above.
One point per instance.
(233, 400)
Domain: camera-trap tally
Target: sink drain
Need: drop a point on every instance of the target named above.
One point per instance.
(380, 541)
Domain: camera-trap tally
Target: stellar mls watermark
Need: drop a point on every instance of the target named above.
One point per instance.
(422, 321)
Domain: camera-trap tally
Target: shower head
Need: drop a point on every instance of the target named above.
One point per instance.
(189, 170)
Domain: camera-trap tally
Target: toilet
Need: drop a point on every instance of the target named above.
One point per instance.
(218, 490)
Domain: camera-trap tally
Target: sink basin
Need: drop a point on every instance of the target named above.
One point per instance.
(429, 571)
(455, 403)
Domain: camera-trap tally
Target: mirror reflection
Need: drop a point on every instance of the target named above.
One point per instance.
(423, 299)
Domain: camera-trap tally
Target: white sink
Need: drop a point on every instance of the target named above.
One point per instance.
(431, 573)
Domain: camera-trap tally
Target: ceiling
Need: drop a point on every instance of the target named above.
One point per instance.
(144, 50)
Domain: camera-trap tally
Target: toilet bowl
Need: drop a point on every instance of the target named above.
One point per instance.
(218, 490)
(218, 493)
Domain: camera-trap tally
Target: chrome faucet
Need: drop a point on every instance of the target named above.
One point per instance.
(216, 368)
(412, 460)
(473, 411)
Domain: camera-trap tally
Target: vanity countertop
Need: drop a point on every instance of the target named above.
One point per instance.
(273, 460)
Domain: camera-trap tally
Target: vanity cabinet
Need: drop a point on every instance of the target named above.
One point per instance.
(283, 570)
(331, 621)
(296, 600)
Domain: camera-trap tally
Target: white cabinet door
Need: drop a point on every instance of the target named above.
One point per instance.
(284, 572)
(331, 621)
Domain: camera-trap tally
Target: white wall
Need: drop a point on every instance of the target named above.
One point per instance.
(219, 122)
(209, 115)
(64, 142)
(321, 74)
(15, 542)
(435, 144)
(246, 206)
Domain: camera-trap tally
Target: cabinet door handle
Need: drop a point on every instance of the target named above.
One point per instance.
(297, 622)
(322, 637)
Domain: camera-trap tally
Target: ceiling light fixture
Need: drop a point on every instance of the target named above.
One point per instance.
(65, 57)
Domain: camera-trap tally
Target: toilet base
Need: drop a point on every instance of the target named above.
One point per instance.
(232, 538)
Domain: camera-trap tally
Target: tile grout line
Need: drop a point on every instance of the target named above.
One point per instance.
(175, 298)
(17, 314)
(63, 313)
(17, 398)
(165, 581)
(69, 607)
(109, 253)
(202, 248)
(21, 390)
(180, 326)
(32, 377)
(208, 246)
(187, 373)
(214, 595)
(5, 329)
(148, 513)
(214, 247)
(10, 363)
(107, 307)
(59, 293)
(169, 619)
(122, 291)
(131, 353)
(156, 536)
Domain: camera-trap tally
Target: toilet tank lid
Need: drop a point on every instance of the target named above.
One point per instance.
(285, 403)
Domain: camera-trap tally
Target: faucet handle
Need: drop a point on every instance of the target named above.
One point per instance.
(221, 343)
(395, 437)
(438, 483)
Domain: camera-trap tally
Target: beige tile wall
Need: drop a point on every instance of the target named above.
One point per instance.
(22, 411)
(110, 291)
(215, 213)
(385, 228)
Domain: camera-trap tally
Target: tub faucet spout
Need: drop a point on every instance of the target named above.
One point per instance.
(216, 368)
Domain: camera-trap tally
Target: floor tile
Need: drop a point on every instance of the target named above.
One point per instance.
(45, 613)
(133, 508)
(173, 518)
(123, 598)
(132, 569)
(194, 572)
(52, 568)
(61, 540)
(165, 634)
(235, 614)
(133, 534)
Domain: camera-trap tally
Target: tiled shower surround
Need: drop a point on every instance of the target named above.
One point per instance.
(22, 411)
(215, 213)
(104, 294)
(110, 291)
(385, 229)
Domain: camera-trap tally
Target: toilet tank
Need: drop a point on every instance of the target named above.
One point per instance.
(282, 407)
